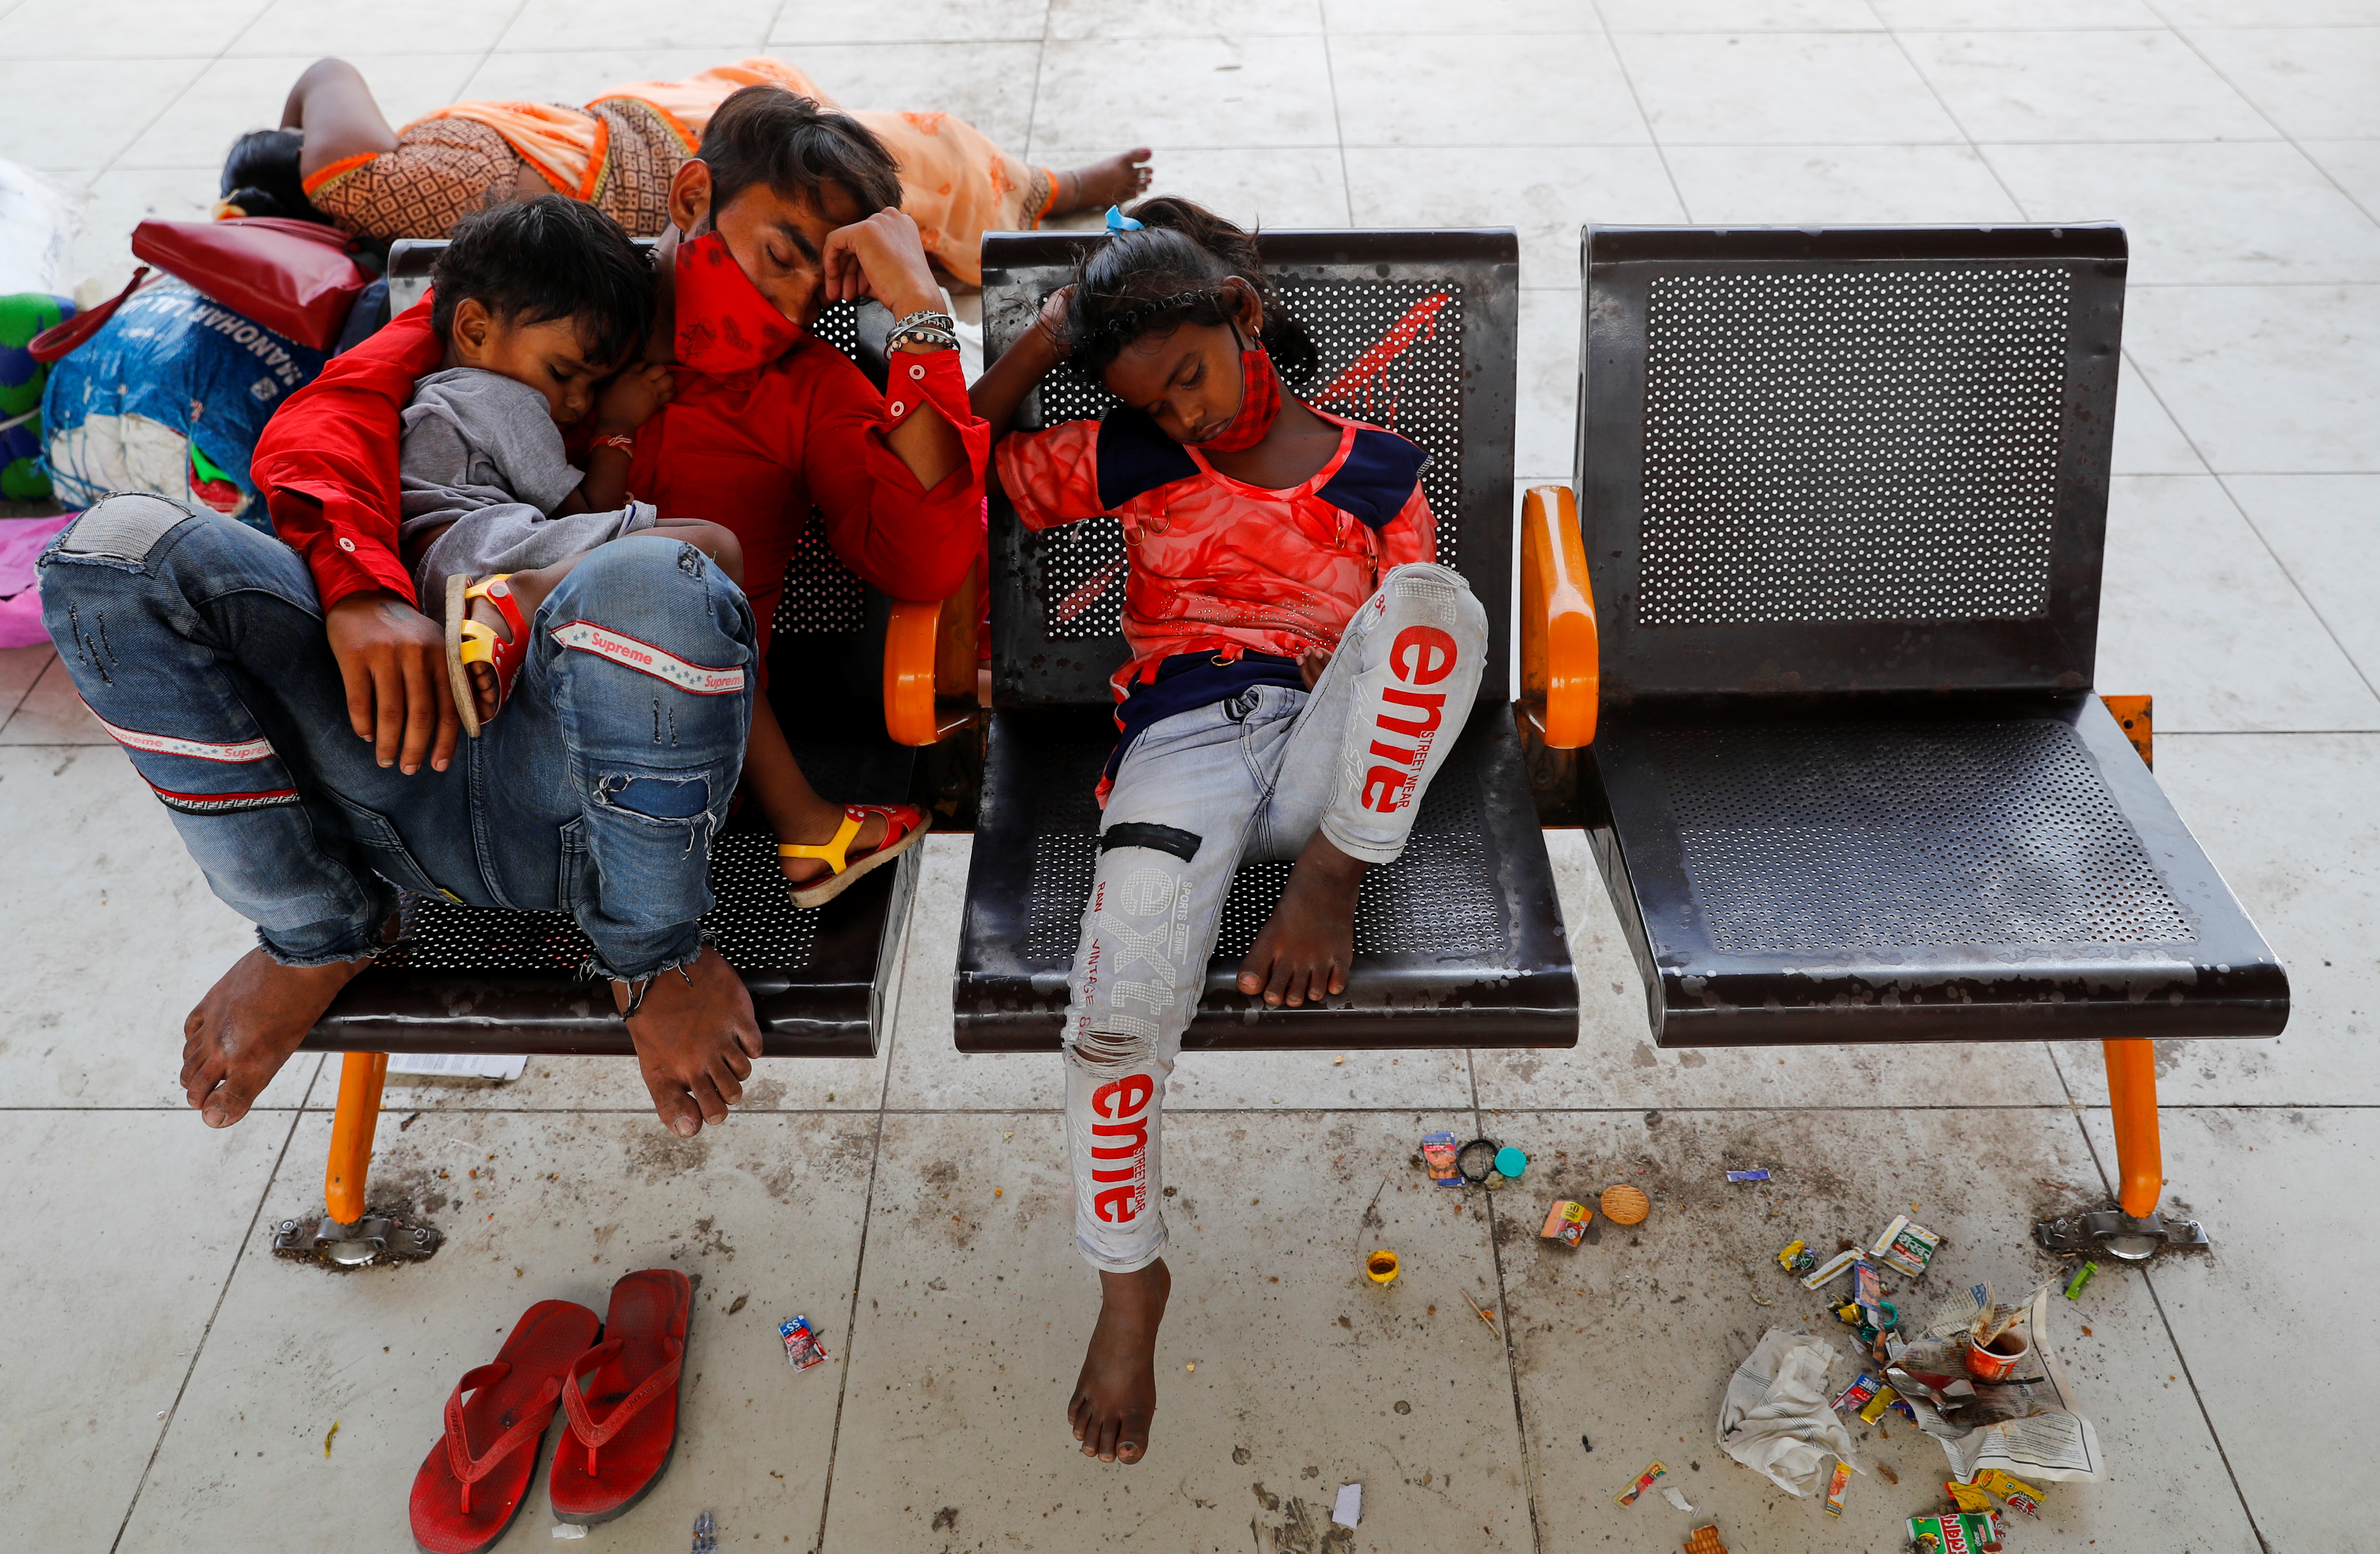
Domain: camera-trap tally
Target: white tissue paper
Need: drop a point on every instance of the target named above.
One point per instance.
(1776, 1417)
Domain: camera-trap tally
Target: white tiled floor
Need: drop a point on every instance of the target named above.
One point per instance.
(170, 1386)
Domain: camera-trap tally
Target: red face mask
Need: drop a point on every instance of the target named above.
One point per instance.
(1259, 403)
(724, 325)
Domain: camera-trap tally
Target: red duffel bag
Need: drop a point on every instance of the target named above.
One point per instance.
(294, 277)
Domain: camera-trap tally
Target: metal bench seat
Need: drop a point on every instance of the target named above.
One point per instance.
(473, 979)
(1844, 506)
(1465, 929)
(1951, 872)
(1459, 944)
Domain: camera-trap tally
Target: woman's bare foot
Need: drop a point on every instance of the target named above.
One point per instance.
(1116, 1393)
(695, 1039)
(241, 1033)
(529, 590)
(803, 871)
(1307, 946)
(1109, 181)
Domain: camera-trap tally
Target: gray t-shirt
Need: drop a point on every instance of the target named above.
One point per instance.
(483, 455)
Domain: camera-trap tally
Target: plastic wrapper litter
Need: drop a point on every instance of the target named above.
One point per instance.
(1438, 1152)
(1956, 1532)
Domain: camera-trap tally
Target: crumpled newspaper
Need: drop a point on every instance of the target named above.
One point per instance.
(1776, 1417)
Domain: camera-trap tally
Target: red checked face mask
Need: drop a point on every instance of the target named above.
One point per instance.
(724, 325)
(1259, 402)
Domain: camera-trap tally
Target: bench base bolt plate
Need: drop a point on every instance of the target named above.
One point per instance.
(378, 1237)
(2111, 1232)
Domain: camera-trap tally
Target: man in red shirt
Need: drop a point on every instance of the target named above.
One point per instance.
(225, 661)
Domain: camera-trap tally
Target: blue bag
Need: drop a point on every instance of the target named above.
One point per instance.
(169, 396)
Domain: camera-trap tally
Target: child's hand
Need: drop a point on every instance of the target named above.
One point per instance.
(1052, 323)
(631, 398)
(1311, 663)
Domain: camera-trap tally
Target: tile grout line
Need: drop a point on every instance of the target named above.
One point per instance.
(2237, 506)
(1339, 128)
(866, 1219)
(2198, 1397)
(2138, 371)
(209, 63)
(18, 704)
(850, 1331)
(2315, 610)
(2180, 1358)
(2258, 109)
(1033, 103)
(1651, 135)
(239, 1250)
(1966, 137)
(2241, 509)
(1504, 1332)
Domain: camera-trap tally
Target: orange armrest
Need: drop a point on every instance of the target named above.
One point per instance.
(930, 660)
(1561, 667)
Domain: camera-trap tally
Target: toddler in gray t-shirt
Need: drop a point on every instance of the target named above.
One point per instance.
(481, 475)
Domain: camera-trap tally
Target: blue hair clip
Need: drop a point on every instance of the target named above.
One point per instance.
(1119, 222)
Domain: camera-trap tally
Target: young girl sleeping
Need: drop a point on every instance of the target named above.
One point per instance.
(1300, 668)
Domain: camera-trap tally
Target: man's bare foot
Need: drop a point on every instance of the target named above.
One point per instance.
(1109, 181)
(695, 1040)
(869, 837)
(1117, 1391)
(529, 590)
(1307, 946)
(241, 1033)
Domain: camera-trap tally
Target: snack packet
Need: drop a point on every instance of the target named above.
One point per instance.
(803, 1348)
(1835, 1486)
(1906, 1246)
(1566, 1221)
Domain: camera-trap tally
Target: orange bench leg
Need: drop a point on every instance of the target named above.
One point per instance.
(361, 1077)
(2131, 1093)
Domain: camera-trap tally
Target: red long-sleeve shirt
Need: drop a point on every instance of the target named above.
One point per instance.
(748, 450)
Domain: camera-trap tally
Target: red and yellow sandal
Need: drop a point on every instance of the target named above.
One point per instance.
(469, 641)
(903, 823)
(464, 1500)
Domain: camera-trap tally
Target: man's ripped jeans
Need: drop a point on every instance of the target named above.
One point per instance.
(198, 642)
(1198, 794)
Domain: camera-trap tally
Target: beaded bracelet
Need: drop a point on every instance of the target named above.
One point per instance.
(926, 328)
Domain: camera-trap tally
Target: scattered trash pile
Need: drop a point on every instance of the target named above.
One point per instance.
(1979, 1377)
(1982, 1378)
(1485, 1162)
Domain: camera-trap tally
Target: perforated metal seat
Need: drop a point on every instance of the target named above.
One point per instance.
(1459, 944)
(1845, 498)
(474, 979)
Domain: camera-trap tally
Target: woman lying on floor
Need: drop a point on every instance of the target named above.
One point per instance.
(335, 159)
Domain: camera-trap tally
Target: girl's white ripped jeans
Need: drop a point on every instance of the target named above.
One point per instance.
(1243, 781)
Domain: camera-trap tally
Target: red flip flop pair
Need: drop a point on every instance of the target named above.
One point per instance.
(474, 1481)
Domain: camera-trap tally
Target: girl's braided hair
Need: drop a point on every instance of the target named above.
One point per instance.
(1166, 275)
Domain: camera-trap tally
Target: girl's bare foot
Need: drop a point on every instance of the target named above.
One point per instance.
(802, 871)
(1116, 1394)
(247, 1026)
(1307, 946)
(1109, 181)
(529, 590)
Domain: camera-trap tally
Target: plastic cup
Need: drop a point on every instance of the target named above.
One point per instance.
(1998, 1360)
